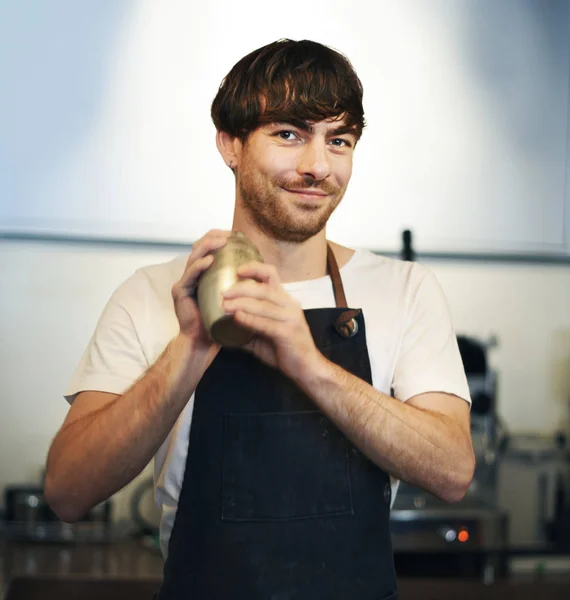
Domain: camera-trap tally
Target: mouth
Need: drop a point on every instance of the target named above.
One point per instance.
(308, 195)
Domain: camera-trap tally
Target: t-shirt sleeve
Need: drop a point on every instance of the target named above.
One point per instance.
(114, 358)
(429, 358)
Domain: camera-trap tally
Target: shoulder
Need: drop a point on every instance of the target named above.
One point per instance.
(150, 283)
(397, 286)
(377, 268)
(139, 317)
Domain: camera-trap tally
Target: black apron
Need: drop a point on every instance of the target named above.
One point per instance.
(276, 504)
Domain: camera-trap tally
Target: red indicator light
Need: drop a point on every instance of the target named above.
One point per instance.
(463, 535)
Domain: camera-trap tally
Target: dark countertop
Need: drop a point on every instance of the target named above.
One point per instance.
(130, 569)
(85, 589)
(127, 558)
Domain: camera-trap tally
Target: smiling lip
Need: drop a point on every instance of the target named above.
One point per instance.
(306, 193)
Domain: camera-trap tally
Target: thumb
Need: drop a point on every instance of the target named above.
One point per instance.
(262, 349)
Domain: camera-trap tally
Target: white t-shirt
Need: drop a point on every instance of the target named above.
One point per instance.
(410, 337)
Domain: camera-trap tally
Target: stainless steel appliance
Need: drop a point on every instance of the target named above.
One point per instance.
(27, 517)
(434, 539)
(539, 465)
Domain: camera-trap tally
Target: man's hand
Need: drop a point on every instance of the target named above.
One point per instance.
(282, 336)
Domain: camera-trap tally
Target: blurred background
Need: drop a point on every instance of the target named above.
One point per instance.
(108, 163)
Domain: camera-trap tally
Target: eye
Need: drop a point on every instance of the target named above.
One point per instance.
(286, 135)
(341, 143)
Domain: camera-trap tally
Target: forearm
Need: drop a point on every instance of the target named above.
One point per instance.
(95, 456)
(421, 447)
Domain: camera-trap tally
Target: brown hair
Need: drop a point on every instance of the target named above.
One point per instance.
(288, 81)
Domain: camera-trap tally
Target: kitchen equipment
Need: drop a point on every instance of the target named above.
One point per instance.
(407, 253)
(144, 511)
(220, 276)
(434, 539)
(534, 484)
(26, 505)
(468, 538)
(488, 431)
(28, 517)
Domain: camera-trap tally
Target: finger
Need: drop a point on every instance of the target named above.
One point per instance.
(185, 286)
(253, 306)
(213, 240)
(264, 326)
(261, 272)
(204, 247)
(261, 291)
(262, 348)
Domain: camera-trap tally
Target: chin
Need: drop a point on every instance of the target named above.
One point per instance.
(299, 233)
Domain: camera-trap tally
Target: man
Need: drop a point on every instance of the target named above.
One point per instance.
(275, 464)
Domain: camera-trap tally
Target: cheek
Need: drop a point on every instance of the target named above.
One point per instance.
(280, 167)
(264, 167)
(344, 174)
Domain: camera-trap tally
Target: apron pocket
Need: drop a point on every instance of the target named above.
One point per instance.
(279, 466)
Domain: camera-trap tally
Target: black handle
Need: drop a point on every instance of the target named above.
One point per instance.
(407, 250)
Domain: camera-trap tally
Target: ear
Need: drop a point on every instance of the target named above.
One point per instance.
(229, 147)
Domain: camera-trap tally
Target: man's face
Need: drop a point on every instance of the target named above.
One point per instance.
(290, 180)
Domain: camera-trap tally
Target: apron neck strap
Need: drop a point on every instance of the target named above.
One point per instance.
(345, 323)
(338, 288)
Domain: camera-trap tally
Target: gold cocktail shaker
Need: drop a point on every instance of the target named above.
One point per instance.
(220, 276)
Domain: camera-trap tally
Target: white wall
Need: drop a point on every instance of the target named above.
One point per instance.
(53, 293)
(106, 129)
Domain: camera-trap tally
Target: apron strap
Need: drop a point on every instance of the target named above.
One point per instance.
(346, 323)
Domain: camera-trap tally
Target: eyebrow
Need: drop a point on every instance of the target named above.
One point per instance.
(341, 130)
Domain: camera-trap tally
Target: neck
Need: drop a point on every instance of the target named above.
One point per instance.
(294, 261)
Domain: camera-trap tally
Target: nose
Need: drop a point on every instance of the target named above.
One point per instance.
(314, 161)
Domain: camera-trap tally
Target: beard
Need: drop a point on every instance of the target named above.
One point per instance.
(277, 213)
